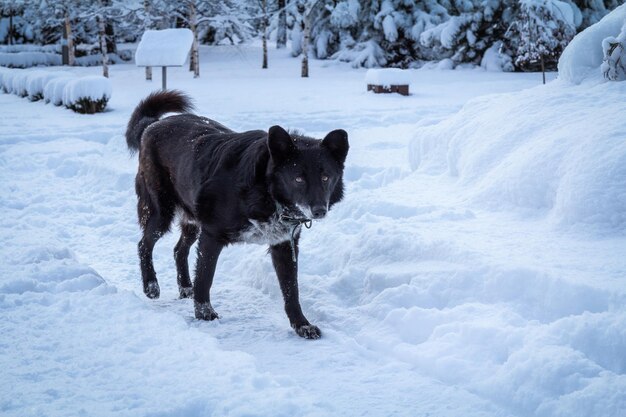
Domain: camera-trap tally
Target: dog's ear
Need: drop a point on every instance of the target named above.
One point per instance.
(279, 143)
(337, 143)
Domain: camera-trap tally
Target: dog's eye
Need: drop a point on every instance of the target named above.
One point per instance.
(299, 180)
(325, 178)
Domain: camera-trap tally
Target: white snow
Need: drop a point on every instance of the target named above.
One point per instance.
(489, 281)
(167, 47)
(388, 76)
(583, 56)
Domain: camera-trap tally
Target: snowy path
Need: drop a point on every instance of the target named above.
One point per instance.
(428, 306)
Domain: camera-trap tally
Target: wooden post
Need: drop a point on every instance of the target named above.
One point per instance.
(164, 78)
(543, 69)
(65, 56)
(68, 44)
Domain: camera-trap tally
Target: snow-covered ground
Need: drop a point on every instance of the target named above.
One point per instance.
(458, 278)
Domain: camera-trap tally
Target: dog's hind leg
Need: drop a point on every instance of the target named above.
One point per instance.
(209, 250)
(188, 235)
(155, 221)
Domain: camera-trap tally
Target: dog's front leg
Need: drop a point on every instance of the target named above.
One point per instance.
(208, 251)
(287, 273)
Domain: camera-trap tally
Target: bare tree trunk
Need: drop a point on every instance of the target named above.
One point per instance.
(109, 30)
(103, 45)
(110, 38)
(264, 28)
(68, 58)
(194, 60)
(146, 26)
(543, 69)
(305, 44)
(10, 39)
(281, 31)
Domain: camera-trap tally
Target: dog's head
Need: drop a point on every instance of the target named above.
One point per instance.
(307, 173)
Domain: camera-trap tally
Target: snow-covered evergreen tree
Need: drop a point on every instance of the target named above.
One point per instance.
(370, 33)
(539, 32)
(471, 27)
(226, 21)
(614, 63)
(593, 10)
(12, 23)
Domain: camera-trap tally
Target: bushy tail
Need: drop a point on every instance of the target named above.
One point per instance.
(150, 109)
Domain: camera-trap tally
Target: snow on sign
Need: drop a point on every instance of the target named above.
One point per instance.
(164, 48)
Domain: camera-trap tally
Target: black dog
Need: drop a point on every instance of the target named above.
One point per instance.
(228, 187)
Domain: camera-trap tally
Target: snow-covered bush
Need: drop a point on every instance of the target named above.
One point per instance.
(53, 90)
(56, 48)
(583, 57)
(87, 94)
(3, 72)
(28, 59)
(539, 32)
(6, 80)
(19, 83)
(83, 95)
(614, 64)
(36, 81)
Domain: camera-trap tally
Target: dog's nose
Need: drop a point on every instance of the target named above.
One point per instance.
(318, 212)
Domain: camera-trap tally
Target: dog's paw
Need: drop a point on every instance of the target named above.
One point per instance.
(204, 311)
(308, 331)
(152, 290)
(185, 292)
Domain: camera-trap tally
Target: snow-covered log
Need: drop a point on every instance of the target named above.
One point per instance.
(388, 80)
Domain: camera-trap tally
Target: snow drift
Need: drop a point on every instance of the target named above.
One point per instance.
(551, 150)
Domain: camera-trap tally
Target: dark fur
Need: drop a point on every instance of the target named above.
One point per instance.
(221, 183)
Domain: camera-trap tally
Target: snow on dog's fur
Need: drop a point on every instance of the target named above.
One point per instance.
(254, 186)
